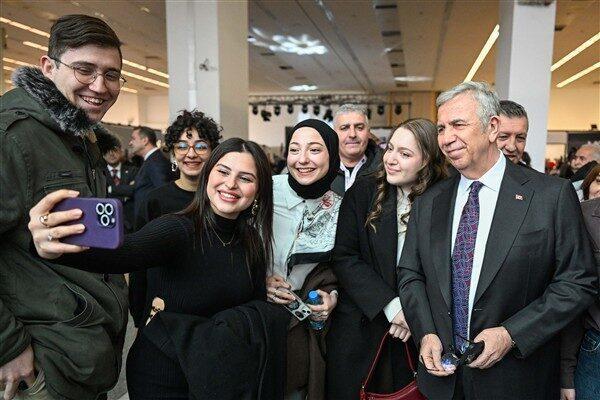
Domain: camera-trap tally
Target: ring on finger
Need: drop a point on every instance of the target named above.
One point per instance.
(44, 220)
(50, 237)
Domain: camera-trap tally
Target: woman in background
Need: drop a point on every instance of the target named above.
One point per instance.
(370, 236)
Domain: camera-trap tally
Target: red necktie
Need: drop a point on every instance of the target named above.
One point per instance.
(116, 179)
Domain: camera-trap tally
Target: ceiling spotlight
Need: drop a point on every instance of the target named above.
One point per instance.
(380, 109)
(369, 112)
(328, 116)
(290, 108)
(316, 109)
(255, 110)
(398, 109)
(277, 109)
(304, 108)
(266, 115)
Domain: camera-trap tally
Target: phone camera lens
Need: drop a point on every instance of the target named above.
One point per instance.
(109, 209)
(104, 220)
(100, 209)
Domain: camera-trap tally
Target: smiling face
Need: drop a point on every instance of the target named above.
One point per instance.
(95, 98)
(232, 184)
(462, 139)
(353, 133)
(402, 159)
(595, 188)
(512, 137)
(308, 158)
(191, 153)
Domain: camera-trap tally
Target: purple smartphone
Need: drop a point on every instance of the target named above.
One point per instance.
(103, 220)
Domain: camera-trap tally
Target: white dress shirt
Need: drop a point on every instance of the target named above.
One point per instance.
(148, 154)
(402, 207)
(350, 177)
(488, 196)
(118, 170)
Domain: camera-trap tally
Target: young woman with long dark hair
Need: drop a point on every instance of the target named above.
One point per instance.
(189, 141)
(370, 235)
(211, 257)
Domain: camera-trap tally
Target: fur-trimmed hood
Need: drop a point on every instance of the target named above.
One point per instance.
(70, 119)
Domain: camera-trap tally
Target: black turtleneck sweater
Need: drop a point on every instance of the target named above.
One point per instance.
(195, 274)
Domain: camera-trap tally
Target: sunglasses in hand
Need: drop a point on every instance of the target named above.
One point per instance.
(454, 357)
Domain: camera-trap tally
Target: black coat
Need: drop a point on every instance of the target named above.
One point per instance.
(237, 354)
(364, 261)
(155, 172)
(124, 191)
(537, 276)
(374, 155)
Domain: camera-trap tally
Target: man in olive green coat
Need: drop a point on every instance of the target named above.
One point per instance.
(61, 329)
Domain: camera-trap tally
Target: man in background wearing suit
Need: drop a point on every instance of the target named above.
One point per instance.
(120, 178)
(155, 170)
(497, 254)
(512, 133)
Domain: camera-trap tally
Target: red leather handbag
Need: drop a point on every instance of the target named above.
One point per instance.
(408, 392)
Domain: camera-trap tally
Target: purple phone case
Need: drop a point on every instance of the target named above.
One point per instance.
(103, 220)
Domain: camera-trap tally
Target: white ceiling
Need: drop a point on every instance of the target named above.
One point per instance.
(437, 38)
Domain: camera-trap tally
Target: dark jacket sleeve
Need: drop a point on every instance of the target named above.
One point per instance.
(574, 285)
(14, 193)
(570, 340)
(358, 279)
(412, 284)
(158, 244)
(159, 172)
(122, 190)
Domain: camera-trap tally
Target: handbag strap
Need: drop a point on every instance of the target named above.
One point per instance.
(378, 354)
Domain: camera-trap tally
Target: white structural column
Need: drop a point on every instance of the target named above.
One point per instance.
(523, 60)
(208, 61)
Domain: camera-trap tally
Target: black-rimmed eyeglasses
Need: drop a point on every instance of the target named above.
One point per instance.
(87, 75)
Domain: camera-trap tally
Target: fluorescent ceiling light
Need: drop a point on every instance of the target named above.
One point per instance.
(126, 89)
(25, 27)
(134, 65)
(303, 88)
(157, 72)
(6, 67)
(578, 50)
(412, 78)
(10, 60)
(143, 78)
(8, 81)
(578, 75)
(484, 52)
(35, 45)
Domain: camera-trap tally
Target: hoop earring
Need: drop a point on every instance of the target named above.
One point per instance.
(255, 208)
(173, 166)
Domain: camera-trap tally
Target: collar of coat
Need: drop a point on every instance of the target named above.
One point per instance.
(70, 119)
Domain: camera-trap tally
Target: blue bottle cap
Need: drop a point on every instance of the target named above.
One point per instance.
(313, 295)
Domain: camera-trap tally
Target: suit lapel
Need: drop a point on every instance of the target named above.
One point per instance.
(384, 242)
(511, 208)
(441, 235)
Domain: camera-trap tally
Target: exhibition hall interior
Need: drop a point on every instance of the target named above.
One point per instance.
(260, 66)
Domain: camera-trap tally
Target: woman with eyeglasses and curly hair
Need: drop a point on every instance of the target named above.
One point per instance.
(369, 240)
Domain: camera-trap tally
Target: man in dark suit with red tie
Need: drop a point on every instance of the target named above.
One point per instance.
(120, 179)
(497, 254)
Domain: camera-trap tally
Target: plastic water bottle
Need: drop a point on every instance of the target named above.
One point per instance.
(315, 299)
